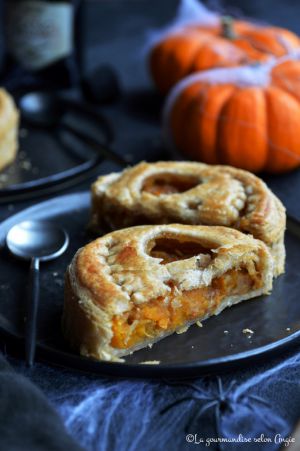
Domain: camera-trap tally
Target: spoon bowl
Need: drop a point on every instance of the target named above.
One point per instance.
(42, 109)
(37, 239)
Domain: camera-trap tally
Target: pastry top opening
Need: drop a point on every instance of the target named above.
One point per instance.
(168, 183)
(170, 249)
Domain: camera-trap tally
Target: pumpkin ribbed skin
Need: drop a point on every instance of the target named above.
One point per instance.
(195, 48)
(256, 128)
(286, 75)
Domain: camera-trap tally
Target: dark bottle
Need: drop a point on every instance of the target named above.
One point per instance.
(42, 41)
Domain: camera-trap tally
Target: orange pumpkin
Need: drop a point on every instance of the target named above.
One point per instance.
(230, 43)
(248, 117)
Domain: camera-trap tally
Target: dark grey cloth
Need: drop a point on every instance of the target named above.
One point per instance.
(28, 421)
(257, 408)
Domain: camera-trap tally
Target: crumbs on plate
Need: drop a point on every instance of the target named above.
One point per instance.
(150, 362)
(182, 330)
(248, 331)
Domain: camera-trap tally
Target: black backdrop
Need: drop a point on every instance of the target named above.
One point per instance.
(124, 26)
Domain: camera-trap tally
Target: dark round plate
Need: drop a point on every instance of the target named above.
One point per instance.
(49, 158)
(219, 345)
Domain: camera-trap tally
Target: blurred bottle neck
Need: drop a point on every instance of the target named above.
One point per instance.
(42, 42)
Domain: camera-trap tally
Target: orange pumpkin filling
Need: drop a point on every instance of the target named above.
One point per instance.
(169, 184)
(148, 320)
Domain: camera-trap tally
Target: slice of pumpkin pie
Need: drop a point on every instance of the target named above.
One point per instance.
(191, 193)
(133, 287)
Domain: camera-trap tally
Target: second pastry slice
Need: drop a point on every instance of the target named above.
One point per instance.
(191, 193)
(134, 286)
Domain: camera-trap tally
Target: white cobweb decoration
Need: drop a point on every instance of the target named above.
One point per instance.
(103, 414)
(251, 75)
(189, 12)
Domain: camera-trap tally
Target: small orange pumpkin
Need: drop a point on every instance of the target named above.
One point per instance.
(230, 43)
(248, 117)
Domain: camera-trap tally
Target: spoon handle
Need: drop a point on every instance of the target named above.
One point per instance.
(32, 309)
(102, 149)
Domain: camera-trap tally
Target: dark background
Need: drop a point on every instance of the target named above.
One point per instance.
(117, 29)
(116, 33)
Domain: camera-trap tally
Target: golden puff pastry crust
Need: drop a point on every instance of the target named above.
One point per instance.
(9, 121)
(132, 287)
(191, 193)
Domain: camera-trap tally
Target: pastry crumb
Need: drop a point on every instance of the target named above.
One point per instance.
(3, 177)
(23, 132)
(150, 362)
(226, 332)
(288, 329)
(182, 330)
(150, 345)
(25, 164)
(248, 331)
(199, 324)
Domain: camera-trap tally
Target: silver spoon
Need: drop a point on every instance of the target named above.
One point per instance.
(37, 241)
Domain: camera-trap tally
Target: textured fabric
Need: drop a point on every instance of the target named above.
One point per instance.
(110, 414)
(28, 422)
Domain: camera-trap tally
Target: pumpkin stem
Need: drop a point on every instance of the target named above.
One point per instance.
(227, 24)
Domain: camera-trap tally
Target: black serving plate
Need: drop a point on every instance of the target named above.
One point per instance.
(48, 159)
(219, 345)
